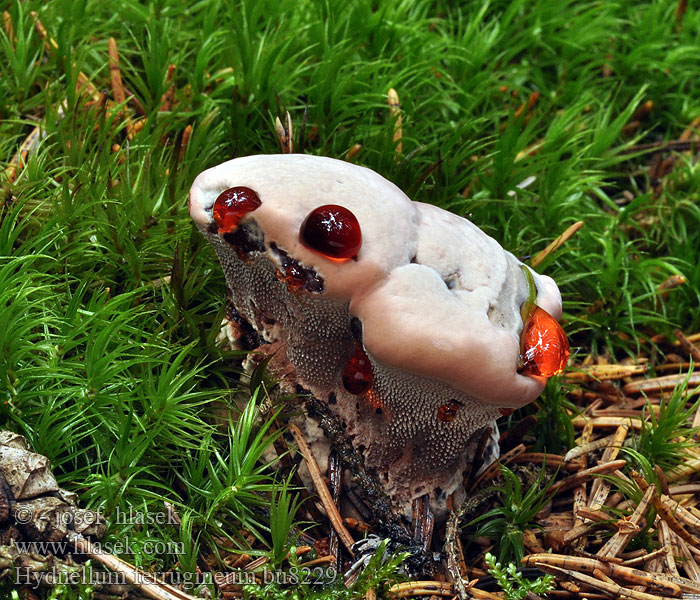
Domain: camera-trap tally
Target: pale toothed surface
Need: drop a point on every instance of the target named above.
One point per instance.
(433, 301)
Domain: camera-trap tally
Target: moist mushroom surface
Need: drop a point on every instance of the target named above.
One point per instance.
(402, 318)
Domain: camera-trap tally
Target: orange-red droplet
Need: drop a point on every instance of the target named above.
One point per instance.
(232, 205)
(448, 411)
(545, 349)
(376, 402)
(357, 375)
(294, 277)
(332, 231)
(506, 411)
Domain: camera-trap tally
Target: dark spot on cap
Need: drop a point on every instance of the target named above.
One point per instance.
(246, 239)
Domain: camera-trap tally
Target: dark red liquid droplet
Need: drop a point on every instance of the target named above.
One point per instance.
(232, 205)
(357, 375)
(506, 411)
(331, 230)
(294, 277)
(545, 349)
(448, 411)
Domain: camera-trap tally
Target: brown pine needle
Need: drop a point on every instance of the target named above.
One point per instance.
(421, 588)
(575, 479)
(600, 488)
(660, 384)
(671, 283)
(599, 494)
(494, 469)
(350, 154)
(285, 133)
(580, 494)
(678, 145)
(681, 513)
(359, 526)
(290, 131)
(19, 160)
(321, 560)
(555, 461)
(588, 447)
(644, 557)
(148, 584)
(669, 518)
(556, 244)
(666, 541)
(115, 72)
(322, 489)
(49, 42)
(184, 141)
(613, 449)
(166, 100)
(8, 27)
(579, 531)
(644, 109)
(611, 588)
(614, 571)
(598, 422)
(596, 516)
(618, 542)
(690, 566)
(598, 574)
(605, 372)
(691, 130)
(529, 105)
(530, 150)
(83, 83)
(258, 562)
(687, 345)
(395, 113)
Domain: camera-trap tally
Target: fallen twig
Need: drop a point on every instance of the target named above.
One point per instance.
(322, 489)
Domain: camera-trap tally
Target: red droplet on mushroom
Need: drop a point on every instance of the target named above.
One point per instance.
(357, 374)
(232, 205)
(506, 411)
(448, 411)
(545, 349)
(293, 277)
(332, 231)
(376, 403)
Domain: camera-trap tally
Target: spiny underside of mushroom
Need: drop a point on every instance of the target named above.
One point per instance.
(403, 319)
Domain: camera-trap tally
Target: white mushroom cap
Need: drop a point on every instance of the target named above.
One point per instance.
(436, 296)
(290, 186)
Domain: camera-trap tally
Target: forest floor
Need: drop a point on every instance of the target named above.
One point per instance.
(567, 131)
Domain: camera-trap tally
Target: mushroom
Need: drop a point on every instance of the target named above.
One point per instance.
(402, 318)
